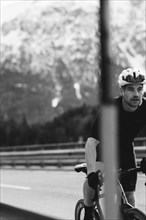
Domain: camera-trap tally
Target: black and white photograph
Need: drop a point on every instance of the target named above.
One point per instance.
(72, 109)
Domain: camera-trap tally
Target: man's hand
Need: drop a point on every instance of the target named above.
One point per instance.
(95, 179)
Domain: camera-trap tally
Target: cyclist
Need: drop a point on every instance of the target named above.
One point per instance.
(131, 106)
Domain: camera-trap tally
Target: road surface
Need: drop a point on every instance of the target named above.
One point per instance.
(51, 193)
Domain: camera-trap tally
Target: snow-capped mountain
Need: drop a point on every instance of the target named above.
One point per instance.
(50, 54)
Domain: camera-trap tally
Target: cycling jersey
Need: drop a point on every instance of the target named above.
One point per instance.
(130, 124)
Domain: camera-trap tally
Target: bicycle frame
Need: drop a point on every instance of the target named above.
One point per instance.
(96, 203)
(125, 207)
(123, 202)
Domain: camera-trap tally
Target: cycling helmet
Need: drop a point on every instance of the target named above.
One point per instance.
(131, 76)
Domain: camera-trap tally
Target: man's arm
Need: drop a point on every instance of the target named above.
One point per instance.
(90, 156)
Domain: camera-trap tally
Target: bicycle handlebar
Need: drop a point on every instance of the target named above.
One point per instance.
(83, 168)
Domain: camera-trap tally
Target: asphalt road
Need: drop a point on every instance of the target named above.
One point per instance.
(51, 193)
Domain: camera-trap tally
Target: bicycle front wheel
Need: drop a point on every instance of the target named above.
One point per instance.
(134, 214)
(80, 211)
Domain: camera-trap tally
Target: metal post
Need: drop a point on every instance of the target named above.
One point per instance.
(108, 117)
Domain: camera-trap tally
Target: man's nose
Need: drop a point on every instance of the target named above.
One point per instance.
(136, 94)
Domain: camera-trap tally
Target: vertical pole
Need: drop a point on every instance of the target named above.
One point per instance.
(108, 117)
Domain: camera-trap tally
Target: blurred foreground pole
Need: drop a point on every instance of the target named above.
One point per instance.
(108, 117)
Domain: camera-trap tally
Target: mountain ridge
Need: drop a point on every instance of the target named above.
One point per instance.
(51, 57)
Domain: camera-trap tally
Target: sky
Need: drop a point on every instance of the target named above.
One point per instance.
(12, 8)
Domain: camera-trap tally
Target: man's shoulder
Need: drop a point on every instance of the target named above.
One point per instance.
(117, 100)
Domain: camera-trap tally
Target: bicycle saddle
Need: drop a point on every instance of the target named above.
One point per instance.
(81, 167)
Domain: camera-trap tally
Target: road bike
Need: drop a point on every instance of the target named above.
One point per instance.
(127, 211)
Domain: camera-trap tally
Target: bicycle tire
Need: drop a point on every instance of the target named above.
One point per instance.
(134, 214)
(79, 211)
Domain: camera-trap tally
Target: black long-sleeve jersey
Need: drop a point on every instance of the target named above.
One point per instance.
(129, 125)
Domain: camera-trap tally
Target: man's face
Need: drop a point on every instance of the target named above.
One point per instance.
(132, 94)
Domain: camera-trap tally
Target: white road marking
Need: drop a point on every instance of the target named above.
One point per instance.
(15, 187)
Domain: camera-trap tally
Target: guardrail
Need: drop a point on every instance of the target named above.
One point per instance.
(64, 154)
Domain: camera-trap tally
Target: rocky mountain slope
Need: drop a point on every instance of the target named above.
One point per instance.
(50, 55)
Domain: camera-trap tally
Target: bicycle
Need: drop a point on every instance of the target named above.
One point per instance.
(127, 211)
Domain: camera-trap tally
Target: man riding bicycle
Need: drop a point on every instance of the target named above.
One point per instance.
(132, 118)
